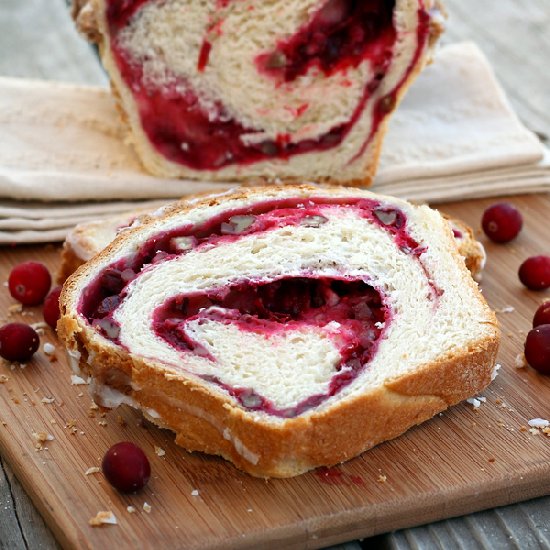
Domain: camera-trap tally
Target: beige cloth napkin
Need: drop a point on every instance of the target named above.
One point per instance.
(455, 136)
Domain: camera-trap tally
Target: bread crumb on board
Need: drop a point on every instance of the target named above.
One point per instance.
(78, 380)
(476, 401)
(40, 438)
(92, 470)
(103, 518)
(506, 309)
(147, 507)
(48, 348)
(159, 451)
(538, 423)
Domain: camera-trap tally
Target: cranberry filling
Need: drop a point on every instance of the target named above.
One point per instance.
(285, 304)
(104, 294)
(262, 307)
(339, 36)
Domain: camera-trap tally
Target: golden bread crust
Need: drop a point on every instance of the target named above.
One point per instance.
(469, 247)
(70, 262)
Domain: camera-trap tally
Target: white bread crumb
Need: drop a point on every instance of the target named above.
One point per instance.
(159, 451)
(92, 470)
(538, 423)
(476, 401)
(520, 361)
(147, 507)
(40, 438)
(78, 380)
(49, 348)
(103, 518)
(195, 493)
(131, 509)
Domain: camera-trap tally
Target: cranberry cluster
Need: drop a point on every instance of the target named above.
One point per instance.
(29, 283)
(502, 222)
(125, 465)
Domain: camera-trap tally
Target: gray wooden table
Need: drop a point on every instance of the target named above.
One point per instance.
(37, 40)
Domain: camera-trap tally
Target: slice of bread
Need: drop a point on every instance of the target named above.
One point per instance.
(282, 328)
(88, 239)
(273, 91)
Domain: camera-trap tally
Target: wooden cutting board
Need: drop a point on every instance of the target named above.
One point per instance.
(462, 461)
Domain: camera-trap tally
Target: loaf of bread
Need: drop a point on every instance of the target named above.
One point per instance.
(282, 328)
(283, 91)
(88, 239)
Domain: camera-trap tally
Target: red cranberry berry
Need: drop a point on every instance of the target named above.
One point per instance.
(534, 272)
(51, 307)
(126, 467)
(29, 283)
(18, 342)
(542, 315)
(502, 222)
(537, 348)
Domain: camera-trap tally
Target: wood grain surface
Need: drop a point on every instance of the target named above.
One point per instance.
(39, 41)
(461, 461)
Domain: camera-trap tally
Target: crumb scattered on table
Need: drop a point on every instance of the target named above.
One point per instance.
(40, 438)
(48, 348)
(159, 451)
(78, 380)
(103, 518)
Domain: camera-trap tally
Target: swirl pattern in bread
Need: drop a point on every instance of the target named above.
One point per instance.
(231, 90)
(282, 328)
(87, 239)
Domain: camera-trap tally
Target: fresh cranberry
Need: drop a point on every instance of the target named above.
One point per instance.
(502, 222)
(534, 272)
(29, 283)
(542, 315)
(126, 467)
(537, 348)
(18, 342)
(51, 307)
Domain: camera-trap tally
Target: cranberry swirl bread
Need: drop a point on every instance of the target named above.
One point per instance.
(232, 90)
(282, 328)
(86, 240)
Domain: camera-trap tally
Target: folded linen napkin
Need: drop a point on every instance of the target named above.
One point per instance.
(455, 136)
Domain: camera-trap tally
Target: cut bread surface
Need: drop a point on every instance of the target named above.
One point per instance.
(88, 239)
(269, 312)
(274, 90)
